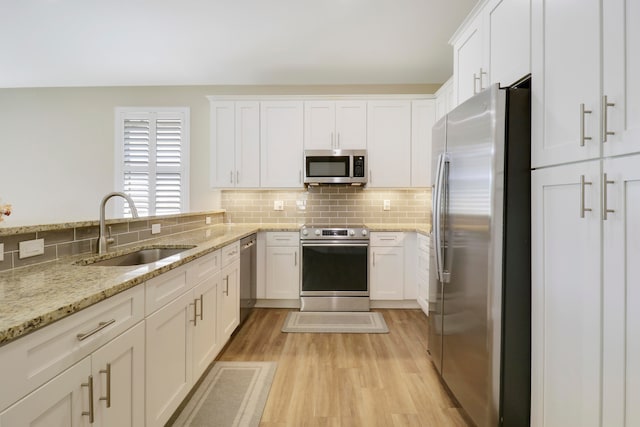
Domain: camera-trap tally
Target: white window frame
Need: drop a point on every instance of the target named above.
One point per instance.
(122, 113)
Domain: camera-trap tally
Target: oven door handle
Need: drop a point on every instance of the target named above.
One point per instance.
(334, 244)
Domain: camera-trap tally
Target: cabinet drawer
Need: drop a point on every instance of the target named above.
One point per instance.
(387, 238)
(286, 238)
(230, 253)
(204, 267)
(32, 360)
(165, 288)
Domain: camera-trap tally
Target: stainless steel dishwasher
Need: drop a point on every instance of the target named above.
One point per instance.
(248, 254)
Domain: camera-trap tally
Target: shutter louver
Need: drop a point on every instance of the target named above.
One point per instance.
(136, 142)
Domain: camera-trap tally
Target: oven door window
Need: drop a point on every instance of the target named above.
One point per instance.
(328, 167)
(334, 268)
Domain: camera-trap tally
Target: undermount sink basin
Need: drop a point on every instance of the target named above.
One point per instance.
(138, 257)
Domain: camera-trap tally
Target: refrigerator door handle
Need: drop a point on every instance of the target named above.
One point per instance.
(437, 206)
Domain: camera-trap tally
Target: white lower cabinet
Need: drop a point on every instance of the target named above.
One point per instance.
(103, 389)
(169, 358)
(118, 380)
(183, 336)
(566, 296)
(229, 294)
(60, 402)
(386, 266)
(282, 265)
(422, 272)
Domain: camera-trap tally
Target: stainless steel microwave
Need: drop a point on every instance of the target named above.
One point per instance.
(335, 167)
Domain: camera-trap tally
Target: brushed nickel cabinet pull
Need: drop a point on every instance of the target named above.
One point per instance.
(230, 177)
(226, 291)
(90, 412)
(605, 118)
(201, 306)
(338, 141)
(107, 398)
(475, 79)
(98, 328)
(332, 144)
(605, 209)
(295, 259)
(583, 138)
(374, 259)
(195, 312)
(237, 177)
(583, 183)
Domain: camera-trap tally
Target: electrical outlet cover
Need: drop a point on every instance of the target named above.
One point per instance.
(156, 228)
(278, 205)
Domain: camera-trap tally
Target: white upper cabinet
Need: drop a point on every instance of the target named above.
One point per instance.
(621, 87)
(281, 136)
(423, 114)
(389, 143)
(444, 99)
(235, 144)
(469, 69)
(507, 39)
(493, 46)
(335, 125)
(566, 81)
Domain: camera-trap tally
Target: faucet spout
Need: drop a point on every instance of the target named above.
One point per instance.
(103, 241)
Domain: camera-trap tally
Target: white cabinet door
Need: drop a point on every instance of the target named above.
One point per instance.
(621, 293)
(283, 272)
(566, 77)
(281, 136)
(247, 147)
(621, 66)
(222, 128)
(118, 380)
(507, 38)
(229, 300)
(206, 343)
(235, 144)
(444, 99)
(59, 402)
(422, 119)
(389, 143)
(470, 73)
(168, 358)
(335, 125)
(351, 125)
(566, 296)
(386, 266)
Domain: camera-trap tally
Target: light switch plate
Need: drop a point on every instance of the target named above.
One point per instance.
(207, 220)
(278, 205)
(30, 248)
(386, 205)
(155, 228)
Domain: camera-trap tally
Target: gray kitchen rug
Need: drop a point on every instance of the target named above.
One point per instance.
(232, 394)
(370, 322)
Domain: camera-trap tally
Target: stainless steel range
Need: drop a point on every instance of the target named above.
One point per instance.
(335, 274)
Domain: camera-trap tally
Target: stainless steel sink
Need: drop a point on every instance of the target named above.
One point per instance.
(138, 257)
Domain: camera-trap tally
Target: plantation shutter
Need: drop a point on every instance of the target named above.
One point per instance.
(154, 153)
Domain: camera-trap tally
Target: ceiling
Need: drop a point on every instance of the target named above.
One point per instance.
(57, 43)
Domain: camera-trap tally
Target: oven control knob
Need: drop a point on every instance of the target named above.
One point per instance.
(352, 233)
(317, 232)
(305, 232)
(364, 232)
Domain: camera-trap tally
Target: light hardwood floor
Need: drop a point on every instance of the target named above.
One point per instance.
(347, 379)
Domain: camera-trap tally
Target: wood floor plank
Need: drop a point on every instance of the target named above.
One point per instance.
(341, 380)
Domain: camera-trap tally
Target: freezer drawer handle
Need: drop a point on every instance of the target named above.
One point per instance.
(583, 183)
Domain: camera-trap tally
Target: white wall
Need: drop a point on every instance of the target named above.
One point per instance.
(57, 144)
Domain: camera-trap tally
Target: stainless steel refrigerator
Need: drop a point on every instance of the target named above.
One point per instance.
(480, 268)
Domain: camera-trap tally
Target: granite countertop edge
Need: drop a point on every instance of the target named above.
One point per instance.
(35, 296)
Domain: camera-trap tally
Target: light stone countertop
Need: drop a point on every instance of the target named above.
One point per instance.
(35, 296)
